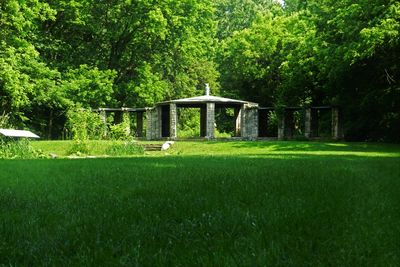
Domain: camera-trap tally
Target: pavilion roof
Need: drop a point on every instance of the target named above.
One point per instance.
(207, 99)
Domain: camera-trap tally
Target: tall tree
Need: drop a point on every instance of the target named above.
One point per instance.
(158, 49)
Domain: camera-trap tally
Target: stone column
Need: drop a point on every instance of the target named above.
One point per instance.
(210, 124)
(337, 132)
(103, 116)
(126, 118)
(149, 120)
(158, 124)
(281, 126)
(307, 123)
(238, 125)
(153, 123)
(249, 122)
(173, 120)
(139, 124)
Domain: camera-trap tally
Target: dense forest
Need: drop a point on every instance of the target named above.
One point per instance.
(59, 54)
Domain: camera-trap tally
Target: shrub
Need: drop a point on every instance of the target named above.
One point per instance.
(19, 149)
(5, 121)
(85, 124)
(122, 130)
(79, 147)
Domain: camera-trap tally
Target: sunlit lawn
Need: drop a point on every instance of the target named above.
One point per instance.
(205, 204)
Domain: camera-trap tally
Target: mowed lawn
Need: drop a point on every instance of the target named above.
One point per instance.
(206, 204)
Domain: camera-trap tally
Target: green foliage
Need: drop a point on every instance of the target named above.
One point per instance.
(85, 125)
(89, 87)
(19, 149)
(58, 54)
(321, 53)
(188, 123)
(5, 121)
(121, 131)
(79, 148)
(125, 149)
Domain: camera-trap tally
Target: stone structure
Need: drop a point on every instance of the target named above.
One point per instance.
(162, 120)
(251, 121)
(119, 114)
(286, 124)
(337, 131)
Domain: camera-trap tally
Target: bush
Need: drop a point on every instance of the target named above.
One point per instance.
(122, 130)
(5, 121)
(85, 124)
(79, 147)
(19, 149)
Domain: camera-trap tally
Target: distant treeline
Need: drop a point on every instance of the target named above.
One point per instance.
(59, 54)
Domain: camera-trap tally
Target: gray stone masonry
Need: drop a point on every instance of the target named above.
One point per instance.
(337, 131)
(238, 126)
(307, 123)
(153, 123)
(173, 121)
(281, 127)
(127, 116)
(210, 124)
(149, 120)
(103, 116)
(249, 121)
(286, 125)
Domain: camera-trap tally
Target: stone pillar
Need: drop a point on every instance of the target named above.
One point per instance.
(149, 120)
(210, 123)
(281, 126)
(173, 120)
(103, 116)
(337, 131)
(249, 127)
(153, 123)
(238, 125)
(126, 118)
(157, 128)
(139, 124)
(307, 123)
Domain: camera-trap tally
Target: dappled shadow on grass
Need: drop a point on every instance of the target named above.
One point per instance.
(309, 146)
(317, 146)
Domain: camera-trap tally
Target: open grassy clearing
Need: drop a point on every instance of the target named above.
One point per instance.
(226, 148)
(206, 203)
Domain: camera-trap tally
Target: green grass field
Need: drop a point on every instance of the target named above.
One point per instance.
(205, 204)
